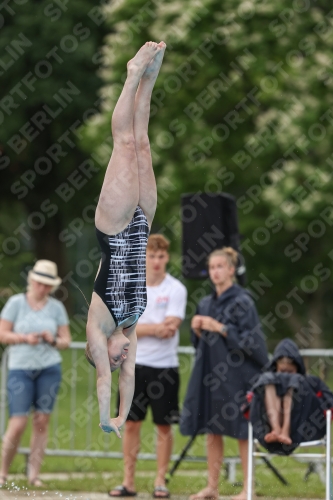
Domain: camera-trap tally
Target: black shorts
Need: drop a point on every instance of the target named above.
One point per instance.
(157, 387)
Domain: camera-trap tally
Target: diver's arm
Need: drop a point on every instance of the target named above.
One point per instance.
(99, 351)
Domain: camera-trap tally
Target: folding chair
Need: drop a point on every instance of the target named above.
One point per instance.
(327, 455)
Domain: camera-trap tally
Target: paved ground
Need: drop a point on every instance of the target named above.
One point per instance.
(40, 495)
(63, 495)
(24, 494)
(69, 495)
(14, 492)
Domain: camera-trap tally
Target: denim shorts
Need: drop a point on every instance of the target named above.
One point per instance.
(36, 389)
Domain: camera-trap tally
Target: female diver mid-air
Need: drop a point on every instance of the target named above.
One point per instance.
(124, 215)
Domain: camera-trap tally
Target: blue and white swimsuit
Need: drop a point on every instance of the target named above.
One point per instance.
(121, 281)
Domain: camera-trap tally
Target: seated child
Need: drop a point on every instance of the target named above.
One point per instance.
(287, 406)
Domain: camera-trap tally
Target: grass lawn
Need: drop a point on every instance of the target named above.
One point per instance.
(74, 425)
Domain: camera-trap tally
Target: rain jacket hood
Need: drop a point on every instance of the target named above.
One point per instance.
(287, 348)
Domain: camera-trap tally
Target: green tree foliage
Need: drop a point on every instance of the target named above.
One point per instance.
(240, 107)
(49, 65)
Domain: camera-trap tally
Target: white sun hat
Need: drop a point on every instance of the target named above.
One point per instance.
(46, 272)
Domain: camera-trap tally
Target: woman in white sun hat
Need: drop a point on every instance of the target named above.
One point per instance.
(35, 326)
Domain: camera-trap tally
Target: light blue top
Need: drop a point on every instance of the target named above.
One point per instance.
(25, 320)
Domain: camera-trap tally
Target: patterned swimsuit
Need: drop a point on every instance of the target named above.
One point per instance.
(121, 281)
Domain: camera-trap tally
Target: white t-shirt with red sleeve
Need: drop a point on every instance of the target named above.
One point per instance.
(166, 299)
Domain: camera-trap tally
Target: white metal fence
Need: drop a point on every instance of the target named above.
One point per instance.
(87, 446)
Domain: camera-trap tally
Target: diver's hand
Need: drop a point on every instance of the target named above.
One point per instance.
(113, 426)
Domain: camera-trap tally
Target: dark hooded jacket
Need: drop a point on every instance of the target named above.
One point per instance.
(287, 349)
(225, 368)
(311, 397)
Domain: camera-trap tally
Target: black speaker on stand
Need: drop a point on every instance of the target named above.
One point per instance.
(209, 221)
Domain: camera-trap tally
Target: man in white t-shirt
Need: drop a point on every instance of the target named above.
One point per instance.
(156, 369)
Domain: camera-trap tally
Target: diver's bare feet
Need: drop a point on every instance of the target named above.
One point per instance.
(154, 66)
(273, 437)
(284, 438)
(205, 494)
(142, 58)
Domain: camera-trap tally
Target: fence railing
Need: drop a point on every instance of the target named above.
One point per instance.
(79, 373)
(71, 378)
